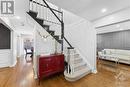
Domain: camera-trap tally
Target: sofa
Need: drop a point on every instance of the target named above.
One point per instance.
(122, 56)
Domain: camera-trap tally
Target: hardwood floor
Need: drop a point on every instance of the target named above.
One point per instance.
(22, 76)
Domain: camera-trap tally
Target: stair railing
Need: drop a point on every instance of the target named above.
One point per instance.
(61, 21)
(45, 11)
(44, 7)
(54, 16)
(70, 46)
(49, 14)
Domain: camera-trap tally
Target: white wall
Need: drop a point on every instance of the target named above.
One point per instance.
(18, 46)
(5, 58)
(8, 57)
(14, 49)
(82, 35)
(6, 54)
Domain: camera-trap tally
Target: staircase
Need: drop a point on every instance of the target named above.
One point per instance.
(46, 16)
(46, 27)
(77, 67)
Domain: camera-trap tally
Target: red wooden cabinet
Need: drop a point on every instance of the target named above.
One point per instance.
(49, 65)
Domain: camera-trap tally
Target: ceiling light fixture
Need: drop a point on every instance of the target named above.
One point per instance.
(104, 10)
(117, 26)
(121, 29)
(17, 17)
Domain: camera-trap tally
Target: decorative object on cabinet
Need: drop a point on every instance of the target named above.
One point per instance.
(43, 36)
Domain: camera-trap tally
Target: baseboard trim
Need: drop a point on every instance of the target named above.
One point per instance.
(2, 65)
(13, 65)
(94, 71)
(35, 74)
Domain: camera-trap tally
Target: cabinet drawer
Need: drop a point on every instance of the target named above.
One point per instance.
(44, 61)
(45, 66)
(50, 65)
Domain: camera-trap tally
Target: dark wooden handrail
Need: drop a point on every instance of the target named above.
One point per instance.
(68, 42)
(60, 20)
(46, 6)
(52, 11)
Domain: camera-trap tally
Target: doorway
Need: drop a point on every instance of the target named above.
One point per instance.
(25, 47)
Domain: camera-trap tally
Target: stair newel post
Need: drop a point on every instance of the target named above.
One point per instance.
(68, 60)
(73, 61)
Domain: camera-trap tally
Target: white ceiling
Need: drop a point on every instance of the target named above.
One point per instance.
(91, 9)
(21, 24)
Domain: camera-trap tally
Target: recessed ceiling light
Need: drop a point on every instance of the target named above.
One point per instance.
(17, 17)
(121, 29)
(111, 18)
(104, 10)
(118, 26)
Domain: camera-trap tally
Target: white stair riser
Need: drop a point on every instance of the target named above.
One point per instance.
(72, 79)
(77, 61)
(74, 55)
(72, 51)
(80, 67)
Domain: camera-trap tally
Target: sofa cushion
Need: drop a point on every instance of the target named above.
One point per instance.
(124, 57)
(123, 52)
(109, 51)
